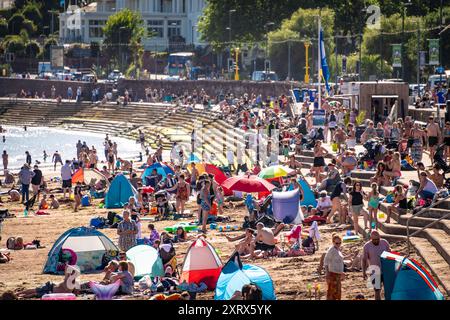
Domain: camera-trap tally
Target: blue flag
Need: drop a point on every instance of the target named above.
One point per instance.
(323, 59)
(62, 3)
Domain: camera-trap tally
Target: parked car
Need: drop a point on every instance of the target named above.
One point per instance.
(264, 76)
(115, 75)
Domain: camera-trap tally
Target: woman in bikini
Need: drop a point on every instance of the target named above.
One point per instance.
(379, 178)
(416, 135)
(294, 164)
(183, 192)
(400, 203)
(395, 165)
(205, 203)
(319, 160)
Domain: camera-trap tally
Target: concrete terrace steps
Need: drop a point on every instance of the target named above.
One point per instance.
(434, 261)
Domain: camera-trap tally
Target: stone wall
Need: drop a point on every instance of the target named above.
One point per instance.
(14, 86)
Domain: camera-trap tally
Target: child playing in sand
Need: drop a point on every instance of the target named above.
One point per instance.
(78, 195)
(43, 205)
(54, 203)
(154, 235)
(220, 199)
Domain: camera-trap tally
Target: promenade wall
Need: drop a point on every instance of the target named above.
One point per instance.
(10, 86)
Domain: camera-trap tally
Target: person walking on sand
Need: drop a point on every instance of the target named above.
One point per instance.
(56, 159)
(372, 251)
(25, 176)
(66, 177)
(334, 269)
(5, 158)
(127, 230)
(28, 158)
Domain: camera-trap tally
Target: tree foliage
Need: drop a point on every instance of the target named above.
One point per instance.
(3, 27)
(123, 37)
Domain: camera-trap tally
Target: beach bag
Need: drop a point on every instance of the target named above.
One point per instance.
(85, 201)
(98, 222)
(334, 147)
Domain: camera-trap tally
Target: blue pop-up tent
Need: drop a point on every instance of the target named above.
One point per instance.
(234, 276)
(308, 195)
(161, 168)
(406, 279)
(119, 192)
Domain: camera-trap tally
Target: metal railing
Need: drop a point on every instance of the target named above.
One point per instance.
(434, 204)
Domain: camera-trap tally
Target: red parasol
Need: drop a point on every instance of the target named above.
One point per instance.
(248, 183)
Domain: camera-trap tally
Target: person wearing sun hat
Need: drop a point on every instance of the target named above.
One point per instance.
(25, 176)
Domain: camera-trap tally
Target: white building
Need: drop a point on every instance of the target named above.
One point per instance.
(173, 21)
(6, 4)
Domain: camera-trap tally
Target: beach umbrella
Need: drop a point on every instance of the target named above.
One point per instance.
(276, 171)
(248, 183)
(209, 168)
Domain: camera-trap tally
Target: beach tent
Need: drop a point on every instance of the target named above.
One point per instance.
(234, 276)
(201, 264)
(119, 192)
(285, 206)
(406, 279)
(88, 248)
(219, 175)
(88, 175)
(146, 261)
(308, 195)
(161, 168)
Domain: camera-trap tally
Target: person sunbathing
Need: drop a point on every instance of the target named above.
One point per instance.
(265, 240)
(243, 247)
(5, 257)
(47, 288)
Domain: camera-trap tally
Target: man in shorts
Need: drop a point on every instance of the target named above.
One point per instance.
(66, 177)
(372, 251)
(433, 134)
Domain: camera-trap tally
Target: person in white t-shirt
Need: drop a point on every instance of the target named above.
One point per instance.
(324, 204)
(230, 159)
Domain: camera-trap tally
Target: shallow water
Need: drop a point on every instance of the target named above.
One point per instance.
(37, 139)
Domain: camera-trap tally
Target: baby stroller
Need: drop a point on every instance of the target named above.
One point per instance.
(373, 152)
(318, 135)
(439, 159)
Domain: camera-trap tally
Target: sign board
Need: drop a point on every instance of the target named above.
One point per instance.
(397, 55)
(433, 46)
(57, 57)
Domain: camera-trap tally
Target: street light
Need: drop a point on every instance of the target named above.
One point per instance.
(266, 28)
(229, 31)
(404, 4)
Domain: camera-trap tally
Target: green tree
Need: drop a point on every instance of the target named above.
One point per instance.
(3, 28)
(32, 49)
(29, 27)
(300, 27)
(32, 12)
(123, 38)
(47, 45)
(14, 44)
(247, 23)
(15, 23)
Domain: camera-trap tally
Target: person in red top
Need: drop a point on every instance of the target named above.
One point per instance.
(256, 169)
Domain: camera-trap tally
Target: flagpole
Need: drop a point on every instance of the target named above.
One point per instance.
(319, 64)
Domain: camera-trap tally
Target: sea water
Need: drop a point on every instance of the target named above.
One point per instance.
(37, 139)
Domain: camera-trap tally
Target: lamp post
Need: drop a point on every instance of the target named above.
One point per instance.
(404, 5)
(364, 10)
(307, 44)
(229, 32)
(266, 28)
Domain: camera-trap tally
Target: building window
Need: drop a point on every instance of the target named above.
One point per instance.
(156, 27)
(166, 6)
(96, 28)
(184, 6)
(174, 28)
